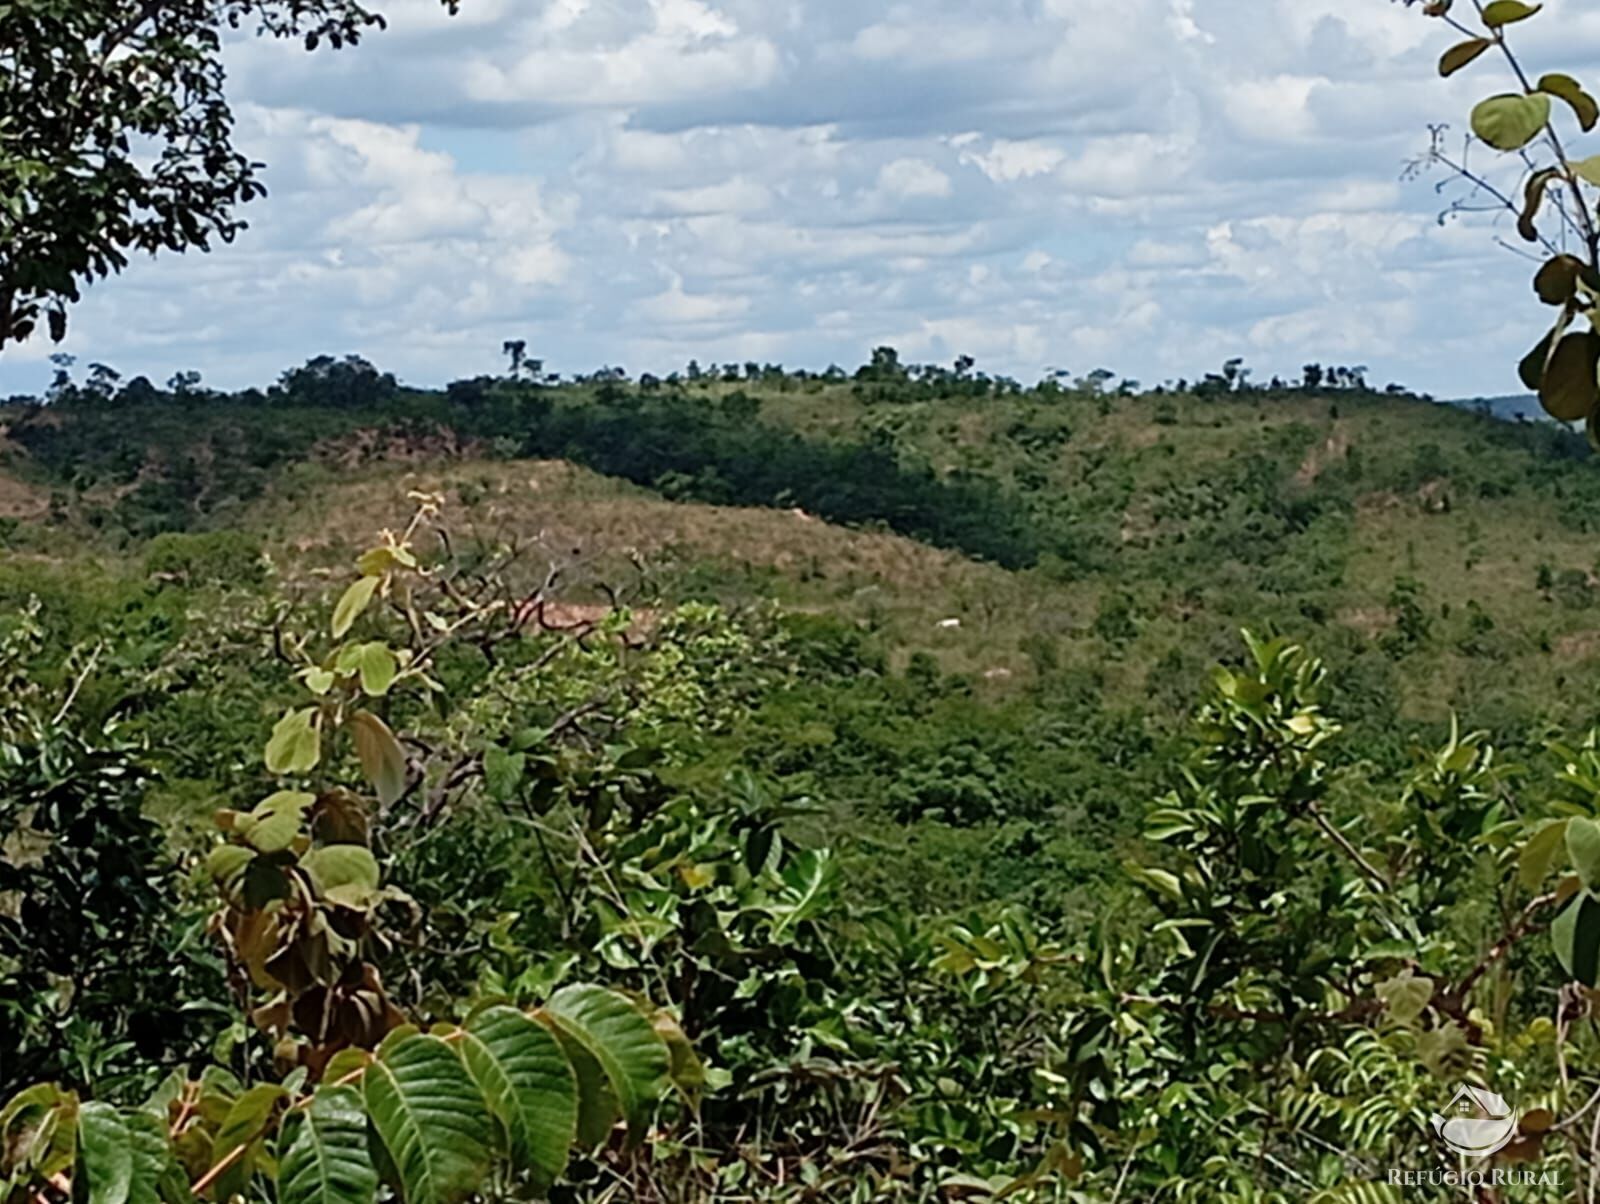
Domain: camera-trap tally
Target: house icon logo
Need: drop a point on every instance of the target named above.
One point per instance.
(1476, 1123)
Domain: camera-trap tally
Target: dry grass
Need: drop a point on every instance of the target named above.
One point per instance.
(608, 534)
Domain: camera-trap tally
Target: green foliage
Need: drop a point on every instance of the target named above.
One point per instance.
(119, 138)
(94, 928)
(304, 914)
(1553, 201)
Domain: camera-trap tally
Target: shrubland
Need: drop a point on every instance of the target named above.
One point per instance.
(850, 757)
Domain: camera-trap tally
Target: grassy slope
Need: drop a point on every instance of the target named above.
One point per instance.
(1192, 516)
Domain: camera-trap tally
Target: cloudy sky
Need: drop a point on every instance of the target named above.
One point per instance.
(1149, 186)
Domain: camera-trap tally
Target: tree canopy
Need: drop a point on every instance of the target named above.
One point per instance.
(117, 136)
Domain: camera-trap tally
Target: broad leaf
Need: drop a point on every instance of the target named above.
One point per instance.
(1533, 862)
(431, 1119)
(530, 1086)
(378, 668)
(1569, 389)
(155, 1179)
(1583, 846)
(245, 1125)
(1557, 281)
(1531, 370)
(807, 884)
(295, 746)
(342, 867)
(1405, 996)
(1504, 12)
(1571, 91)
(1510, 121)
(1576, 936)
(352, 603)
(105, 1148)
(380, 754)
(326, 1161)
(1588, 170)
(1460, 55)
(276, 821)
(627, 1047)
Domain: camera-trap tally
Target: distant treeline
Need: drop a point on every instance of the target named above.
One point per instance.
(150, 463)
(168, 468)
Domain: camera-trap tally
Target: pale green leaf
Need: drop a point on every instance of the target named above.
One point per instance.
(296, 746)
(354, 601)
(341, 865)
(1587, 170)
(378, 669)
(275, 822)
(1511, 120)
(1405, 996)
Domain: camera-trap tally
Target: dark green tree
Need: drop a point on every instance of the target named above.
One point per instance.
(117, 136)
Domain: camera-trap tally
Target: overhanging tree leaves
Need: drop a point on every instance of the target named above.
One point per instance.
(116, 136)
(1558, 209)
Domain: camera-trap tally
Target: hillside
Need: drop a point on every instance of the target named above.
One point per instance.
(1445, 559)
(854, 695)
(1078, 561)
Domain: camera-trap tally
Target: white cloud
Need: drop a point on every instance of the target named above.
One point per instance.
(912, 178)
(1140, 184)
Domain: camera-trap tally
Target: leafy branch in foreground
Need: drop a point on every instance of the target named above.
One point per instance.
(1557, 210)
(365, 1096)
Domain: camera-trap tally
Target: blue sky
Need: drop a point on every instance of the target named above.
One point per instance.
(1149, 186)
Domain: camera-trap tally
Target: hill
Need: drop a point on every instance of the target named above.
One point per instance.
(853, 698)
(1130, 536)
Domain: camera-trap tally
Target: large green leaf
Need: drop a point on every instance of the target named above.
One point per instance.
(155, 1175)
(607, 1027)
(1511, 120)
(1576, 936)
(530, 1086)
(1583, 846)
(295, 746)
(105, 1148)
(326, 1160)
(431, 1119)
(808, 883)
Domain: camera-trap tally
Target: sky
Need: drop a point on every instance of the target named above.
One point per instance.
(1145, 186)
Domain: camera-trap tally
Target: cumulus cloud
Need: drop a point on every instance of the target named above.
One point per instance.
(1146, 185)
